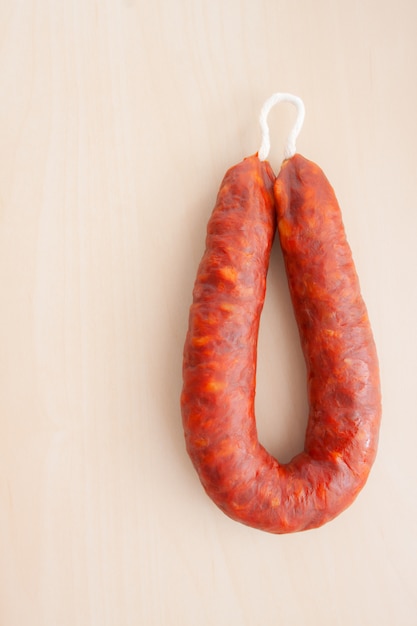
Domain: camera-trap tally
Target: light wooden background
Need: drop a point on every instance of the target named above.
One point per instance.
(118, 120)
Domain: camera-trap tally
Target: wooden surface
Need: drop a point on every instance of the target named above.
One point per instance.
(118, 120)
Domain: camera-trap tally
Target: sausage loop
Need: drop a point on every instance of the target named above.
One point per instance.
(289, 149)
(220, 352)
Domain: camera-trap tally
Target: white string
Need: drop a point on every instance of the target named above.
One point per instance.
(289, 149)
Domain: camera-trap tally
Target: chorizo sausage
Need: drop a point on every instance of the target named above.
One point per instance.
(219, 367)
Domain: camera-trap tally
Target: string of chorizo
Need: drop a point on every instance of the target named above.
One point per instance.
(219, 370)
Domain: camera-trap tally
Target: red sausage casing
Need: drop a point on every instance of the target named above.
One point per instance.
(219, 370)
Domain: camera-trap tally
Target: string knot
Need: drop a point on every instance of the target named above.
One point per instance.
(289, 149)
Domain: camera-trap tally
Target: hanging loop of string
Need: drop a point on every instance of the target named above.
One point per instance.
(289, 149)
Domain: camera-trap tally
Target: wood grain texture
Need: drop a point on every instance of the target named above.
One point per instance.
(118, 120)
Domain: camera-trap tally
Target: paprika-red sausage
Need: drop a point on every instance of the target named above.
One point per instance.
(219, 371)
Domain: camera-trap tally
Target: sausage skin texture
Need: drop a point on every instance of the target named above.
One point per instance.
(219, 368)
